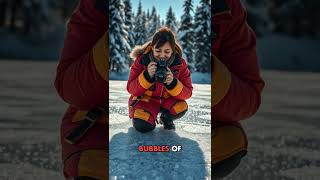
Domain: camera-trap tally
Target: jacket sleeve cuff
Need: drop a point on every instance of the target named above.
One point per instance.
(176, 87)
(172, 84)
(148, 78)
(143, 81)
(100, 56)
(221, 80)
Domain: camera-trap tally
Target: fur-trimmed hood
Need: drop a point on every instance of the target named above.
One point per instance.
(146, 48)
(137, 51)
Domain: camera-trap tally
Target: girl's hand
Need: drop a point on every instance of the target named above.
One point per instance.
(152, 68)
(169, 77)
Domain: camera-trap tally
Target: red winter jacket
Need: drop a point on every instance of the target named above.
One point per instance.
(236, 81)
(81, 78)
(139, 82)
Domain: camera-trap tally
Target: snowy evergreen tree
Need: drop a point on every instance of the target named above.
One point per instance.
(148, 14)
(153, 24)
(129, 21)
(295, 18)
(118, 37)
(144, 23)
(202, 34)
(258, 17)
(34, 17)
(159, 21)
(171, 20)
(162, 23)
(140, 32)
(139, 11)
(185, 34)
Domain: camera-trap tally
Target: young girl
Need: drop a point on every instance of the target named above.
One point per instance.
(151, 92)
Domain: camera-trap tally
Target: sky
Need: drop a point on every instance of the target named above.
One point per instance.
(162, 6)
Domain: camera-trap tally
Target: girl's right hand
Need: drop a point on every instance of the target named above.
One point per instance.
(152, 67)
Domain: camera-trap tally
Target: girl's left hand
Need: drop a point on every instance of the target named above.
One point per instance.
(169, 77)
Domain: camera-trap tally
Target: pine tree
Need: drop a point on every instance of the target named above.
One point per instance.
(159, 21)
(171, 20)
(148, 14)
(3, 12)
(274, 16)
(162, 23)
(33, 16)
(129, 21)
(202, 36)
(185, 34)
(153, 23)
(139, 11)
(118, 37)
(140, 32)
(258, 17)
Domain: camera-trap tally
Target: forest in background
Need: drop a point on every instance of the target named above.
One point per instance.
(288, 31)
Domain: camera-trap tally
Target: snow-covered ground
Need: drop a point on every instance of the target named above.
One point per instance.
(30, 114)
(193, 134)
(284, 136)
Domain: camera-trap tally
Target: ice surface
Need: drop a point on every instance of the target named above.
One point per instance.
(193, 134)
(284, 136)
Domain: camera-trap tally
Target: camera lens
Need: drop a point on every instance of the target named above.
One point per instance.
(161, 71)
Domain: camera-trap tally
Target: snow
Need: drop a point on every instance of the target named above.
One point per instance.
(313, 173)
(118, 76)
(197, 129)
(284, 135)
(193, 134)
(201, 78)
(26, 171)
(182, 34)
(117, 119)
(30, 114)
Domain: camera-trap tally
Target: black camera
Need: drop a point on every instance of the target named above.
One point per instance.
(161, 73)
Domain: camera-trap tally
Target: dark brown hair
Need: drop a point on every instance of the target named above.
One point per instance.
(163, 35)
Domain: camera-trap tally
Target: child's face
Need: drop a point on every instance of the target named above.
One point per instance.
(163, 52)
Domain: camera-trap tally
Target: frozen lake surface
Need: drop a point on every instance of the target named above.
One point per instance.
(192, 133)
(284, 136)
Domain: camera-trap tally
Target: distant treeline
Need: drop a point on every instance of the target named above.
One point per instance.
(28, 16)
(296, 18)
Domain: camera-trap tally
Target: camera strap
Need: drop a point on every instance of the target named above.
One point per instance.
(90, 119)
